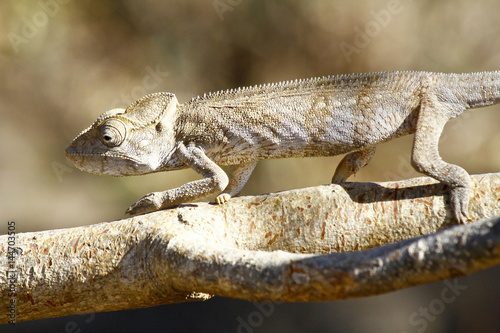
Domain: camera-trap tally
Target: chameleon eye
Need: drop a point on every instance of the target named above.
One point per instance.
(112, 132)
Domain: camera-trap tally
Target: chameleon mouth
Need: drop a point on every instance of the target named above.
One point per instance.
(105, 164)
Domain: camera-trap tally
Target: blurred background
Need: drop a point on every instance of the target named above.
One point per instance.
(63, 63)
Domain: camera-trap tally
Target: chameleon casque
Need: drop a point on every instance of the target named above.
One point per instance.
(324, 116)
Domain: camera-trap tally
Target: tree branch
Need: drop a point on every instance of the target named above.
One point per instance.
(332, 236)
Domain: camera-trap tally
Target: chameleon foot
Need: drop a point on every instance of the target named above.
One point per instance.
(149, 203)
(459, 201)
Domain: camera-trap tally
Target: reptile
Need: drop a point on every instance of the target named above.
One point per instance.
(342, 114)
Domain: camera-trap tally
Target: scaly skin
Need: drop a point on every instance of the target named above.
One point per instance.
(315, 117)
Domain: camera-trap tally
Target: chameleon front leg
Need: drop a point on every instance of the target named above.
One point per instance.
(215, 180)
(238, 180)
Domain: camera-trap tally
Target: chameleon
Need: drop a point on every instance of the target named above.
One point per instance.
(325, 116)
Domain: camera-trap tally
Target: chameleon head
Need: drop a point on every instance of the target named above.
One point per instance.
(132, 141)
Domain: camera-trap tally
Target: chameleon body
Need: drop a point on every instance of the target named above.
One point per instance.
(324, 116)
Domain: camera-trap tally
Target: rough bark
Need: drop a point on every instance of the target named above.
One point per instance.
(322, 243)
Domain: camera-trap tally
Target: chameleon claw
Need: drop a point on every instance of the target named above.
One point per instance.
(222, 198)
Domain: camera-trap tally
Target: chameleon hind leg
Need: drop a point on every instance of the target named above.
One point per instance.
(426, 159)
(351, 164)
